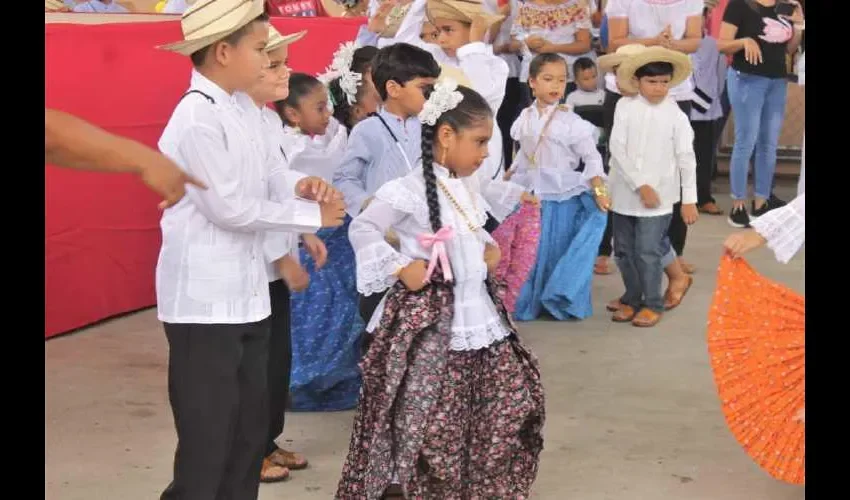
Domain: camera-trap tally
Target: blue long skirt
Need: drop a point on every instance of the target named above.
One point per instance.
(326, 329)
(560, 282)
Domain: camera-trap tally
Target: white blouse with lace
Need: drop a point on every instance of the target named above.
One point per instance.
(401, 205)
(317, 156)
(784, 228)
(567, 140)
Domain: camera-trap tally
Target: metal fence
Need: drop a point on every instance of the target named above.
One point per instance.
(791, 138)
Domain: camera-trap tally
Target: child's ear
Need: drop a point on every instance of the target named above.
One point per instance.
(393, 89)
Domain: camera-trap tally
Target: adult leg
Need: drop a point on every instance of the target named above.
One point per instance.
(772, 116)
(625, 236)
(241, 479)
(507, 115)
(608, 107)
(746, 94)
(650, 231)
(704, 149)
(204, 391)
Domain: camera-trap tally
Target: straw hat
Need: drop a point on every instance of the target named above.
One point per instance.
(209, 21)
(276, 40)
(608, 62)
(626, 72)
(53, 5)
(460, 10)
(455, 74)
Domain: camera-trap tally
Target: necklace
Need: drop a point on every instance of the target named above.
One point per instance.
(472, 227)
(532, 158)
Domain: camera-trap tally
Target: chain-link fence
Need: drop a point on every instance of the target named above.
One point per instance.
(791, 138)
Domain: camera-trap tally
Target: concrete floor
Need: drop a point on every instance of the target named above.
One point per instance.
(632, 414)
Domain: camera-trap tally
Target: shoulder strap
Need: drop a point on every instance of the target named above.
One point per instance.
(386, 126)
(210, 99)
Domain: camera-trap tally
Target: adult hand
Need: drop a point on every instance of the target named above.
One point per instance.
(752, 51)
(165, 178)
(535, 43)
(797, 17)
(297, 279)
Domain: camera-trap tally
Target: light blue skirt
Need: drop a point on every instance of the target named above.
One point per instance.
(326, 329)
(560, 282)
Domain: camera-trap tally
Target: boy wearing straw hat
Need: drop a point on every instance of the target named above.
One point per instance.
(211, 279)
(285, 272)
(652, 167)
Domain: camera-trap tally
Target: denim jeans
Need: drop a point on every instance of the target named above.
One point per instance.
(639, 246)
(758, 103)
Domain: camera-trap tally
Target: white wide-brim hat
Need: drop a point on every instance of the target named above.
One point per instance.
(626, 72)
(209, 21)
(276, 40)
(608, 62)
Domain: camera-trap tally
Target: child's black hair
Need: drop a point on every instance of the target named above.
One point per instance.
(472, 109)
(581, 64)
(401, 63)
(655, 68)
(300, 85)
(541, 60)
(361, 63)
(198, 57)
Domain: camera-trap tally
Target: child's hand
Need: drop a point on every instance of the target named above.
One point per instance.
(479, 28)
(492, 256)
(316, 189)
(391, 237)
(508, 174)
(603, 202)
(333, 213)
(689, 213)
(296, 277)
(648, 196)
(529, 198)
(413, 275)
(316, 248)
(739, 243)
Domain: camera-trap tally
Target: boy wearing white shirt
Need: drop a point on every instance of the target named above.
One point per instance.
(653, 167)
(211, 278)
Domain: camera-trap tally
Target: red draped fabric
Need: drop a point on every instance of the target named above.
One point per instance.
(102, 231)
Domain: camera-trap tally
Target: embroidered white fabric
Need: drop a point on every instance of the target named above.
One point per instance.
(400, 205)
(784, 228)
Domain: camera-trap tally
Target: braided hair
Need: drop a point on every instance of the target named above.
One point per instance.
(361, 63)
(300, 85)
(471, 110)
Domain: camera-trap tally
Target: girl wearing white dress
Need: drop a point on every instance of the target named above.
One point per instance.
(326, 326)
(452, 402)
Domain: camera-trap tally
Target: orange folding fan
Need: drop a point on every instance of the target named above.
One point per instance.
(757, 345)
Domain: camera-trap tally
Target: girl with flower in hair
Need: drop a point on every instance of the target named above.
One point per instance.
(325, 322)
(452, 404)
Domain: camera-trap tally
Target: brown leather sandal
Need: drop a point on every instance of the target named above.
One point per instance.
(614, 305)
(624, 314)
(288, 459)
(272, 472)
(673, 301)
(646, 318)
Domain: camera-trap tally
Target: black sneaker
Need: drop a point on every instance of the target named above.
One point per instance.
(758, 212)
(775, 202)
(739, 218)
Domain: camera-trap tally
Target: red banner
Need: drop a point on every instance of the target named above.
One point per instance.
(102, 231)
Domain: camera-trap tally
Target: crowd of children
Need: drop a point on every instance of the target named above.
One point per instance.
(366, 198)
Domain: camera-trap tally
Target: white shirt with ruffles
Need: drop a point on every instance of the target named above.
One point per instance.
(400, 205)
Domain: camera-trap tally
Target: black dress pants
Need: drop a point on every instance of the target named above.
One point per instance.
(280, 361)
(217, 385)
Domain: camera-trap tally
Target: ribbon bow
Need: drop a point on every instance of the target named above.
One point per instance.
(437, 243)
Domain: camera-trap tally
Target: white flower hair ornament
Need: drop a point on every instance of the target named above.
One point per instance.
(444, 97)
(340, 67)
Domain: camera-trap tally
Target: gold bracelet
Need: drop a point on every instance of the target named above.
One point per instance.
(600, 190)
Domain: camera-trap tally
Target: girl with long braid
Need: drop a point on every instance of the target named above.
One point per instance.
(452, 403)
